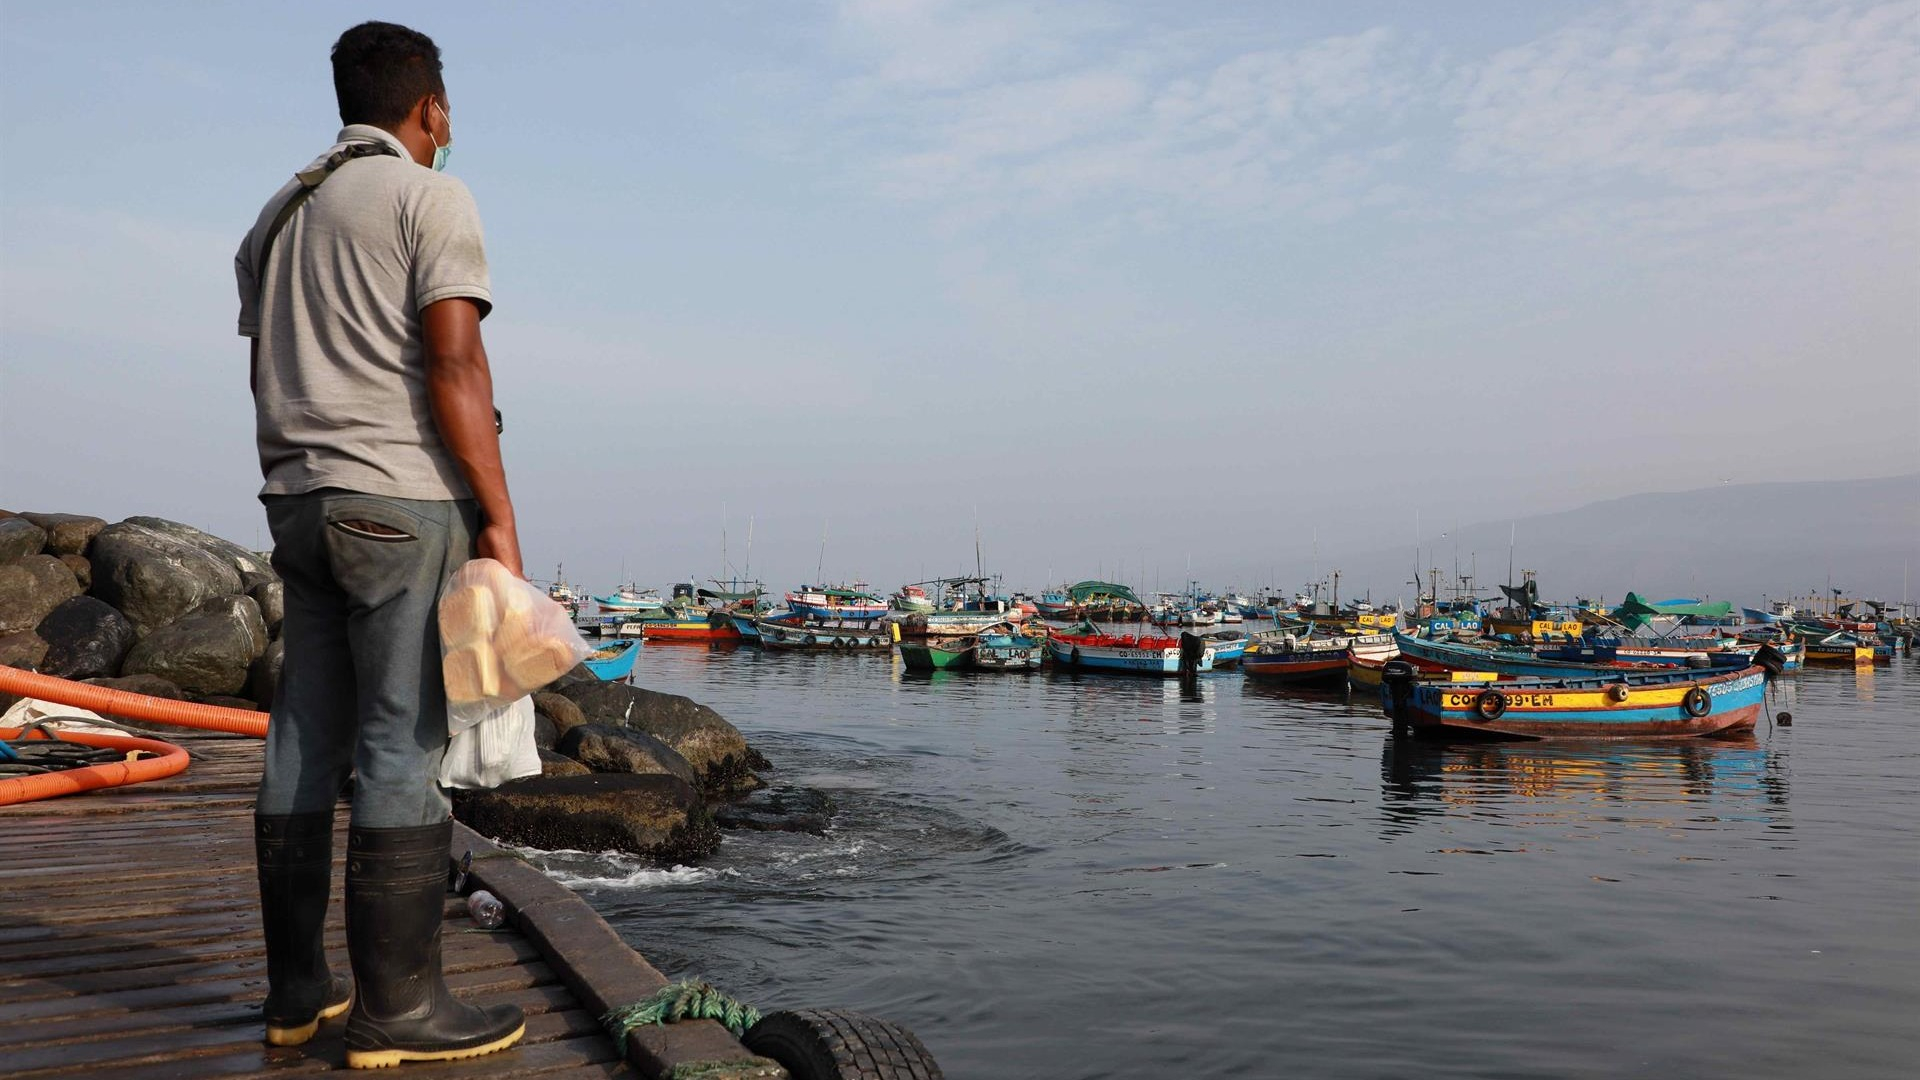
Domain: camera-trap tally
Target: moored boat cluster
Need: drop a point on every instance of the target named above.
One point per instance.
(1460, 666)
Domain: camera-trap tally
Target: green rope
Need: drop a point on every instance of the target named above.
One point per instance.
(689, 1000)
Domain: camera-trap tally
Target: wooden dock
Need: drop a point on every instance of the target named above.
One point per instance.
(130, 947)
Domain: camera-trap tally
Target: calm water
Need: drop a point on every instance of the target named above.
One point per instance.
(1097, 876)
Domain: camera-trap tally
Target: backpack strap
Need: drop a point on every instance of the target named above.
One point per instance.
(310, 181)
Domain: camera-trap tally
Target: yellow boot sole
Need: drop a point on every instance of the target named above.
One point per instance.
(296, 1036)
(381, 1059)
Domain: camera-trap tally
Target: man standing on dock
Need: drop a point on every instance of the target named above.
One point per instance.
(362, 285)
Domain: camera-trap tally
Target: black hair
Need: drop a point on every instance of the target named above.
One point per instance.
(380, 69)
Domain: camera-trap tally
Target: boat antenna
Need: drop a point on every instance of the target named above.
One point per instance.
(1513, 531)
(976, 540)
(748, 572)
(820, 568)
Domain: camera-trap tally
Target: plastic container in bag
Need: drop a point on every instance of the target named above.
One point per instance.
(501, 639)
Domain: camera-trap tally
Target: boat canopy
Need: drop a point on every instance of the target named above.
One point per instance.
(1086, 591)
(1635, 612)
(729, 597)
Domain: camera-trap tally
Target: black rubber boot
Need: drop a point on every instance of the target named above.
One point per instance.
(396, 889)
(294, 853)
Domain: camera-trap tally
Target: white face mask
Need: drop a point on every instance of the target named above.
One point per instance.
(442, 153)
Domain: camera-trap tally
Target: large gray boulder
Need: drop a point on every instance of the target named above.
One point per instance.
(20, 538)
(658, 817)
(271, 598)
(252, 568)
(208, 651)
(86, 639)
(32, 587)
(67, 534)
(717, 751)
(606, 748)
(153, 577)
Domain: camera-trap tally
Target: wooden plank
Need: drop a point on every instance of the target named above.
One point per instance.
(173, 995)
(150, 1048)
(140, 955)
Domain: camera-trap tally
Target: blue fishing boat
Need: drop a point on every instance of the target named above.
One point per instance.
(836, 603)
(1228, 647)
(1004, 650)
(614, 660)
(1429, 655)
(1669, 704)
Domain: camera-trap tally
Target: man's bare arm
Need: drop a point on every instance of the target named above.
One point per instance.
(460, 384)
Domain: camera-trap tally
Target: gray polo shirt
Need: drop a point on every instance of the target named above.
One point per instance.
(341, 398)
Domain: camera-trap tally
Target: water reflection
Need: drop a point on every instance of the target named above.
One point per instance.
(1566, 782)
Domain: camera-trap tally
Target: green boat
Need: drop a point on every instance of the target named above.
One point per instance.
(938, 654)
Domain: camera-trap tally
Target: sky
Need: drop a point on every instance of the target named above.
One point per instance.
(1127, 288)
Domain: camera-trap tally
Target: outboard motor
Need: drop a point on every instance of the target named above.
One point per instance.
(1396, 682)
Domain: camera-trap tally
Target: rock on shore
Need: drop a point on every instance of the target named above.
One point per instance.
(160, 608)
(658, 817)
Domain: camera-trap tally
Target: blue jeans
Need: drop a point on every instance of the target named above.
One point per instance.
(360, 686)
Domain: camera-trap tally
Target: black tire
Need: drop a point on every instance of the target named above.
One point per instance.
(1697, 702)
(836, 1044)
(1491, 704)
(1073, 658)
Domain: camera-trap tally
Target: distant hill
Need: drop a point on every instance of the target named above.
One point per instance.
(1734, 542)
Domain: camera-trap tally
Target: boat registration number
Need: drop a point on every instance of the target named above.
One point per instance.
(1514, 701)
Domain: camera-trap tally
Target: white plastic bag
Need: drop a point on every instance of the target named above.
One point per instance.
(492, 750)
(501, 639)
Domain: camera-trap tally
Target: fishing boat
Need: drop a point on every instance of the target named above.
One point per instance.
(939, 654)
(1656, 704)
(836, 603)
(698, 625)
(824, 635)
(1002, 649)
(1103, 601)
(1842, 649)
(564, 594)
(1143, 654)
(1229, 646)
(1425, 654)
(1318, 662)
(910, 600)
(949, 623)
(630, 598)
(614, 660)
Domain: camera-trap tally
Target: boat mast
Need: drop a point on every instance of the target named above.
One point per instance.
(819, 569)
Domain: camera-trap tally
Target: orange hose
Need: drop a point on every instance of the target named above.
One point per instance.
(170, 760)
(153, 710)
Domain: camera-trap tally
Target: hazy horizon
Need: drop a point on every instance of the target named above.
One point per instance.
(1126, 286)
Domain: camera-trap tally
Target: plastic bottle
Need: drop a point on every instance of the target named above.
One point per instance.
(487, 911)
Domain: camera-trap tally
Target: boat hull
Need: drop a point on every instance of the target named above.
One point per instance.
(819, 637)
(617, 664)
(922, 656)
(702, 630)
(1126, 659)
(1639, 706)
(1329, 670)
